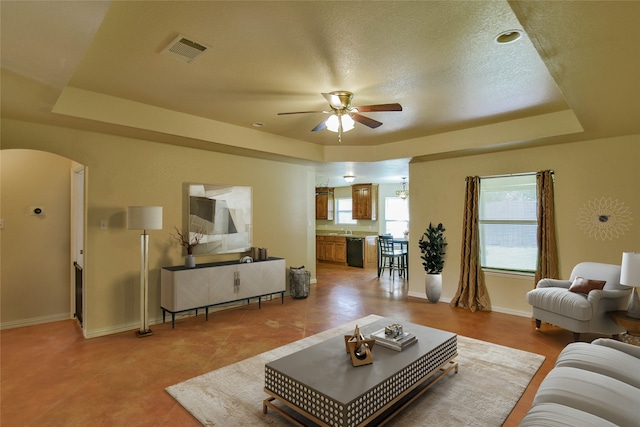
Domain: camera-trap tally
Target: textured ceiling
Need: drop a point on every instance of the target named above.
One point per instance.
(576, 62)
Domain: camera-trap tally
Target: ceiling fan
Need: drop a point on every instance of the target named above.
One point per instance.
(343, 115)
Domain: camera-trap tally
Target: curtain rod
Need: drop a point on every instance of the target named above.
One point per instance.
(511, 174)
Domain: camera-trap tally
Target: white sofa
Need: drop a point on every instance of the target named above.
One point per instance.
(595, 384)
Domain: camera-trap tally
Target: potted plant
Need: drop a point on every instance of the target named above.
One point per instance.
(183, 238)
(432, 245)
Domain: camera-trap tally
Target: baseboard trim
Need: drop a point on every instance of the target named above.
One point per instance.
(134, 326)
(496, 309)
(34, 321)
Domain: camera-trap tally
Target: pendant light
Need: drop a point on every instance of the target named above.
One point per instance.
(404, 192)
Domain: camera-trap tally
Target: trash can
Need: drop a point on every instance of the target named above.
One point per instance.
(299, 281)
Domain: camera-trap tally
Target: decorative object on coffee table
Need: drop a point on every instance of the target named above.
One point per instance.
(359, 348)
(394, 337)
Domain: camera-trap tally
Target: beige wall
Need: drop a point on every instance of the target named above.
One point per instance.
(36, 265)
(584, 171)
(124, 172)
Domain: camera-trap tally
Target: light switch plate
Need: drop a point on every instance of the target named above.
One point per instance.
(103, 224)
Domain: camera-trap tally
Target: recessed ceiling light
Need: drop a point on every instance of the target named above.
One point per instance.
(508, 36)
(257, 124)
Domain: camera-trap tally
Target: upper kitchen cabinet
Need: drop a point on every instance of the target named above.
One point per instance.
(365, 201)
(324, 203)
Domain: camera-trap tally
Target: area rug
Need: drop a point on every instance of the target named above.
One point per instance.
(490, 380)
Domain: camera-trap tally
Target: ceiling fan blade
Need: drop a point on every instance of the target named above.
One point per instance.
(334, 100)
(320, 126)
(379, 107)
(303, 112)
(365, 120)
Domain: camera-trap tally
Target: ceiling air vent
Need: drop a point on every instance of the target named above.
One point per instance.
(183, 49)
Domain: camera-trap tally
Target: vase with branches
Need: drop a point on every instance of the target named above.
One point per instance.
(183, 238)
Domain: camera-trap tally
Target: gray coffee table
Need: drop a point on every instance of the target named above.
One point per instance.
(321, 384)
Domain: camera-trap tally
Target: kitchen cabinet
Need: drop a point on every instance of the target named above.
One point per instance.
(365, 201)
(207, 285)
(331, 249)
(371, 252)
(340, 253)
(324, 203)
(320, 252)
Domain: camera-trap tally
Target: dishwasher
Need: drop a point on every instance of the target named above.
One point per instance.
(355, 252)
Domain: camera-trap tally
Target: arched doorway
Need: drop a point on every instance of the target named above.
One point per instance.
(38, 277)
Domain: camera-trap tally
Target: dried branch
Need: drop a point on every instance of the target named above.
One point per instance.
(183, 238)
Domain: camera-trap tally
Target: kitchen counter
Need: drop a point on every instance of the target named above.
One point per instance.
(341, 234)
(331, 246)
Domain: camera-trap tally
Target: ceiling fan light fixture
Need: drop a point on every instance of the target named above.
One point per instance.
(349, 178)
(333, 123)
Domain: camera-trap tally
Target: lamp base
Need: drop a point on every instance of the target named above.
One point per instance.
(633, 310)
(141, 334)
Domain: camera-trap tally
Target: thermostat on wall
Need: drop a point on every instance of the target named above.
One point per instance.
(36, 210)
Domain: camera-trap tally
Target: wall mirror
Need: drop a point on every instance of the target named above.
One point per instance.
(223, 215)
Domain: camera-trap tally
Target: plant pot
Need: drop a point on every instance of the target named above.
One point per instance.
(433, 287)
(190, 261)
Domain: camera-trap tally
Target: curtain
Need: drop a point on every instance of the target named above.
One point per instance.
(547, 248)
(472, 292)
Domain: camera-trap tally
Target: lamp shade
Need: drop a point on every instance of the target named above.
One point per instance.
(333, 122)
(144, 218)
(630, 271)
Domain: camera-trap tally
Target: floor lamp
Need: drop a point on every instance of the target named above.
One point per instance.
(144, 218)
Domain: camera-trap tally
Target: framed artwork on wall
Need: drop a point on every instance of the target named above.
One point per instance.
(222, 215)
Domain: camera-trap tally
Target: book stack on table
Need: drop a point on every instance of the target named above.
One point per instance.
(397, 343)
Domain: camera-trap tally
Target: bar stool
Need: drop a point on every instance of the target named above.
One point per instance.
(390, 257)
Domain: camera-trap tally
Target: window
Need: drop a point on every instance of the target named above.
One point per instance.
(344, 211)
(396, 216)
(508, 223)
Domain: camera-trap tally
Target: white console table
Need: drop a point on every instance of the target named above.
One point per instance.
(206, 285)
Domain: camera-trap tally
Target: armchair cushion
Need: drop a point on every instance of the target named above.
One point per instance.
(584, 286)
(558, 300)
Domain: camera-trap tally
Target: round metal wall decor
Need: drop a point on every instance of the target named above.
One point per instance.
(604, 218)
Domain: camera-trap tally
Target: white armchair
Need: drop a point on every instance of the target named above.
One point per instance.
(553, 303)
